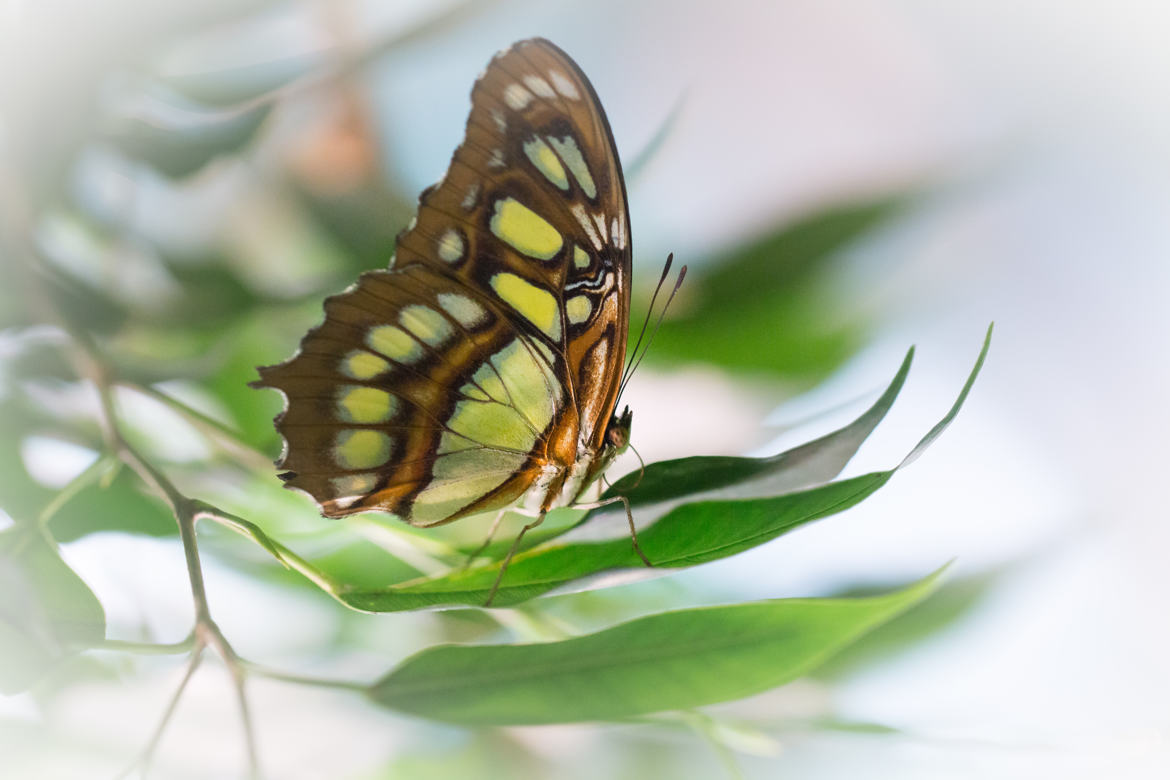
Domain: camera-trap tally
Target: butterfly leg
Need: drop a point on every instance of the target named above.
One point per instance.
(634, 532)
(490, 535)
(629, 516)
(508, 558)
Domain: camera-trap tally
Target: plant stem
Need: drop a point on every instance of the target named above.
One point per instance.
(146, 648)
(142, 761)
(278, 551)
(300, 679)
(187, 512)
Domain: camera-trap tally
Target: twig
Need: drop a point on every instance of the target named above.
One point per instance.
(145, 648)
(300, 679)
(142, 761)
(205, 511)
(187, 512)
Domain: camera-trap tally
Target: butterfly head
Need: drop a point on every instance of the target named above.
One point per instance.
(617, 439)
(617, 434)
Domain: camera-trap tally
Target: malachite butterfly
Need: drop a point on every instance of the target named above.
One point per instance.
(483, 366)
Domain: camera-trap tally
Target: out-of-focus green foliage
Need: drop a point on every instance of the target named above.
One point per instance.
(770, 306)
(177, 136)
(47, 612)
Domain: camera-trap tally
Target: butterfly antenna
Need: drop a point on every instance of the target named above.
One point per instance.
(649, 311)
(682, 274)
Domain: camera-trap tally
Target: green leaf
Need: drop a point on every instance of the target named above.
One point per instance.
(954, 600)
(802, 466)
(674, 660)
(771, 306)
(120, 505)
(47, 613)
(686, 536)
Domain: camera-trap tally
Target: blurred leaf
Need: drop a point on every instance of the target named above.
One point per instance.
(674, 660)
(87, 305)
(953, 600)
(177, 136)
(20, 495)
(687, 535)
(808, 464)
(241, 86)
(47, 612)
(770, 306)
(212, 296)
(253, 343)
(649, 152)
(122, 506)
(364, 221)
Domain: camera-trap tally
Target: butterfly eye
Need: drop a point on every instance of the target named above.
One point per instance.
(617, 433)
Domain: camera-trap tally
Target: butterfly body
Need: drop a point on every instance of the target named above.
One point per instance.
(483, 366)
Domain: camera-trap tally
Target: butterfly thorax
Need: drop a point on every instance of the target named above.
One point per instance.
(560, 485)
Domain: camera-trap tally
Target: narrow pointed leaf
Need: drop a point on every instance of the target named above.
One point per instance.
(674, 660)
(686, 536)
(808, 464)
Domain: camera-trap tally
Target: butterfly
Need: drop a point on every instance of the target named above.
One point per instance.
(483, 367)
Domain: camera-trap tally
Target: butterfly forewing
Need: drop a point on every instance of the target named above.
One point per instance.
(490, 349)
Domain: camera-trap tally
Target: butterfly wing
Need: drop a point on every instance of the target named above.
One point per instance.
(492, 346)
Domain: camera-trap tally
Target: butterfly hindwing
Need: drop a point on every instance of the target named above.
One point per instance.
(492, 345)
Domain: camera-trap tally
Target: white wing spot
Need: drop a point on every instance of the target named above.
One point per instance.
(517, 97)
(582, 217)
(471, 198)
(599, 219)
(497, 159)
(466, 312)
(571, 153)
(618, 233)
(451, 246)
(539, 86)
(352, 488)
(498, 118)
(564, 85)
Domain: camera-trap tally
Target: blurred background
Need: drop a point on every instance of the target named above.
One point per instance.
(187, 181)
